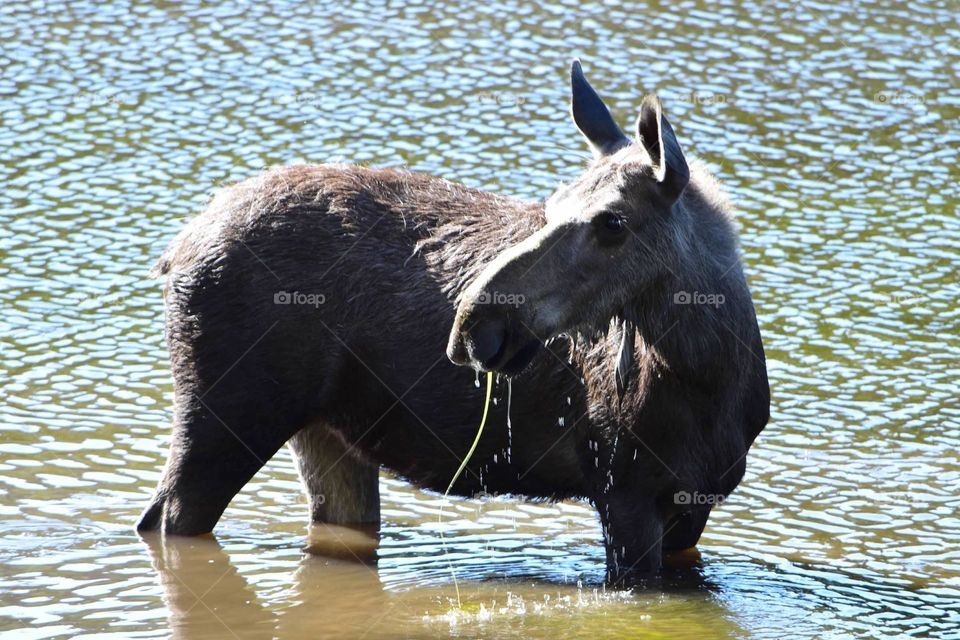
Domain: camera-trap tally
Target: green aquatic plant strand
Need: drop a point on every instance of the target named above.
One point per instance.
(476, 441)
(456, 476)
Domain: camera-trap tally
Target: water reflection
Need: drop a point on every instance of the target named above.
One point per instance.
(204, 593)
(358, 543)
(206, 596)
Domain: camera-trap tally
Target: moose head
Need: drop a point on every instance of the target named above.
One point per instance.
(609, 236)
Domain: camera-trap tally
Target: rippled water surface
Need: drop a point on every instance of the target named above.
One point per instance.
(835, 128)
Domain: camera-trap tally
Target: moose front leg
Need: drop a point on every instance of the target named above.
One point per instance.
(344, 495)
(633, 536)
(341, 488)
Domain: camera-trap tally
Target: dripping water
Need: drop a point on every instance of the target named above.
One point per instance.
(509, 425)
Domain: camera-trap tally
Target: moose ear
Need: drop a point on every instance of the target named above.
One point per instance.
(592, 117)
(656, 135)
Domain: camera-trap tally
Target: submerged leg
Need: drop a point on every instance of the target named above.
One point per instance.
(633, 537)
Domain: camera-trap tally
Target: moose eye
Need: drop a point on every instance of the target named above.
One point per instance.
(614, 223)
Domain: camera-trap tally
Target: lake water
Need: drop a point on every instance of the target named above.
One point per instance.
(834, 127)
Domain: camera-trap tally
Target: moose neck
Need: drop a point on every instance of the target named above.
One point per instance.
(691, 318)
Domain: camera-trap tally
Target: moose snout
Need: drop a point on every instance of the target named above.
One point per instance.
(491, 337)
(479, 342)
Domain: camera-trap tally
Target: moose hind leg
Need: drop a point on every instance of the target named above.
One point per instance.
(212, 456)
(341, 488)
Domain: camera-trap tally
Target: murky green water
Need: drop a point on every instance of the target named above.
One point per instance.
(836, 130)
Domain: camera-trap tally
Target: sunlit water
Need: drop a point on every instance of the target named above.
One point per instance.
(835, 129)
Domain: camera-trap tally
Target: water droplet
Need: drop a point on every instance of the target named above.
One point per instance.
(509, 425)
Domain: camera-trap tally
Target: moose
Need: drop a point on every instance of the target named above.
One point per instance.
(348, 311)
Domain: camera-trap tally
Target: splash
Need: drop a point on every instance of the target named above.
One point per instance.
(561, 603)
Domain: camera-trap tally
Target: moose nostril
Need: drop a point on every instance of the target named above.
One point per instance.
(489, 340)
(457, 348)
